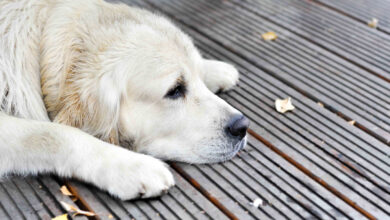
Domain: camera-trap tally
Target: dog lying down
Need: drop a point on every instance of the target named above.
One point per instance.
(79, 78)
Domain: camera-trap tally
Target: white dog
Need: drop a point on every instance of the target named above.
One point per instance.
(120, 76)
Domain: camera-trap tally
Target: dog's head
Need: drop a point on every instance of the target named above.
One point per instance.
(146, 92)
(168, 111)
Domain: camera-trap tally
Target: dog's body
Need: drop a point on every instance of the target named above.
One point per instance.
(122, 75)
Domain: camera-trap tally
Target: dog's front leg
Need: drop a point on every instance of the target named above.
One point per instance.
(219, 76)
(31, 147)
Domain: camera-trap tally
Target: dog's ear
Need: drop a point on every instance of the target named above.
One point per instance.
(92, 105)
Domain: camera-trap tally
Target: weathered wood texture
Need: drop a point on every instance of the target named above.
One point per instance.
(182, 202)
(363, 11)
(32, 198)
(298, 58)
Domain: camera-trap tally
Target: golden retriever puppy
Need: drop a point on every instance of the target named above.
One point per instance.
(79, 78)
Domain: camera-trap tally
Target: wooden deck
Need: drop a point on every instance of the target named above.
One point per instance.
(307, 164)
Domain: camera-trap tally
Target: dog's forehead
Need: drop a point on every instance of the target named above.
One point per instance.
(170, 62)
(183, 54)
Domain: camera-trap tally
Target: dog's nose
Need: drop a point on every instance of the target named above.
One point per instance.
(238, 126)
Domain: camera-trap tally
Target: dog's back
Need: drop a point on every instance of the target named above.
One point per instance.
(20, 30)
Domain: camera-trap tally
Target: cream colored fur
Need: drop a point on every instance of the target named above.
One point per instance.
(105, 69)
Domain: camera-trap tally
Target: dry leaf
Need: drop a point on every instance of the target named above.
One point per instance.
(269, 36)
(65, 191)
(110, 216)
(320, 104)
(75, 210)
(352, 122)
(373, 23)
(61, 217)
(283, 105)
(257, 202)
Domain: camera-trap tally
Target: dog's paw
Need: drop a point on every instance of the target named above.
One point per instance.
(220, 76)
(137, 176)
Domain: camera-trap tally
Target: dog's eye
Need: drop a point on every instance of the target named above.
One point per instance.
(177, 92)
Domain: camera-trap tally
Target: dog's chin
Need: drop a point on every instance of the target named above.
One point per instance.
(208, 155)
(225, 156)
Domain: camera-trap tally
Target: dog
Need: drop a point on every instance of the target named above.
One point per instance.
(78, 79)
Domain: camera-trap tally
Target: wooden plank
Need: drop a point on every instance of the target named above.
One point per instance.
(19, 200)
(368, 157)
(175, 206)
(148, 210)
(354, 41)
(8, 204)
(54, 188)
(44, 196)
(182, 202)
(224, 192)
(32, 198)
(184, 194)
(225, 195)
(3, 213)
(304, 58)
(253, 188)
(287, 179)
(135, 211)
(29, 198)
(363, 11)
(322, 165)
(279, 86)
(381, 155)
(191, 16)
(161, 207)
(329, 155)
(104, 205)
(318, 109)
(269, 56)
(302, 190)
(93, 199)
(378, 155)
(234, 188)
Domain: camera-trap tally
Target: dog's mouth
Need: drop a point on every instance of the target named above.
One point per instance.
(218, 157)
(239, 146)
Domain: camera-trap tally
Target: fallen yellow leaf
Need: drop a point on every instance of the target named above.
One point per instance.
(352, 122)
(75, 210)
(284, 105)
(269, 36)
(110, 216)
(373, 23)
(65, 191)
(320, 104)
(61, 217)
